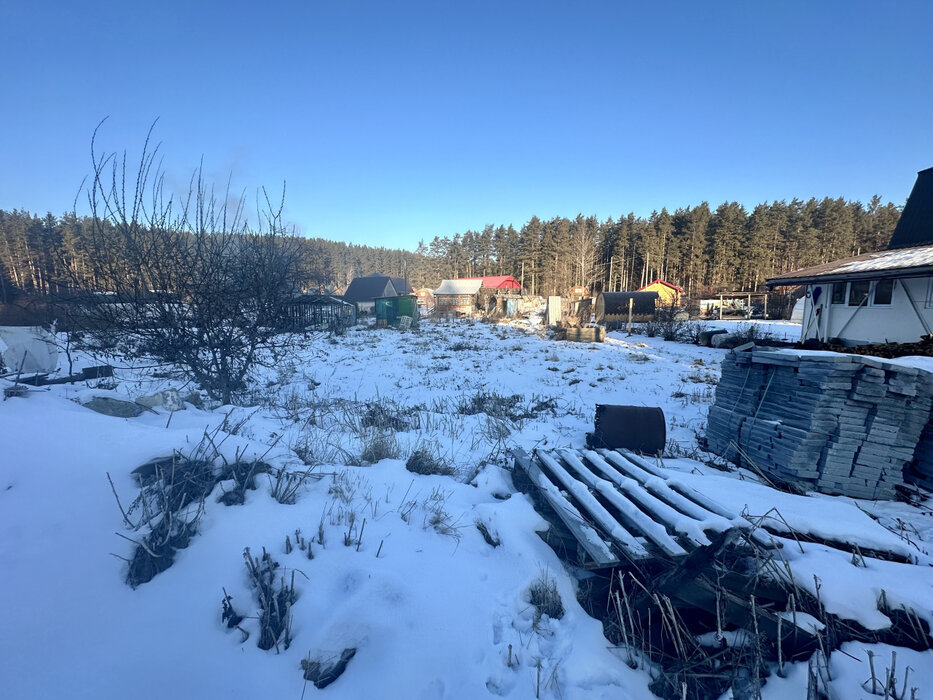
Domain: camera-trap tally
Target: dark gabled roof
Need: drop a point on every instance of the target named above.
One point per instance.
(884, 264)
(401, 285)
(369, 287)
(915, 227)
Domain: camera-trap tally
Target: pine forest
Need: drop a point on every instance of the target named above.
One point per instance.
(702, 249)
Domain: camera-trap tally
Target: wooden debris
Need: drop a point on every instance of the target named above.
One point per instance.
(701, 593)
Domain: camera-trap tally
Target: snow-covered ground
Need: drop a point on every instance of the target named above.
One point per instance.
(778, 330)
(399, 569)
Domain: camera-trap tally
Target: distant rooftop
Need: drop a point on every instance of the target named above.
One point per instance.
(461, 286)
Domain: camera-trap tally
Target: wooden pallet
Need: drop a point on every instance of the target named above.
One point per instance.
(621, 508)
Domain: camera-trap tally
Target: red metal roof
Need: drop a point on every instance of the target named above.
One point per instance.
(497, 282)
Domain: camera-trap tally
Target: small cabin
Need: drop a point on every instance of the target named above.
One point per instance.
(668, 294)
(881, 297)
(457, 297)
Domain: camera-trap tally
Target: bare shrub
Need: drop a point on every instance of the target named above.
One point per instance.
(378, 446)
(186, 280)
(286, 484)
(544, 597)
(170, 503)
(275, 602)
(692, 331)
(384, 415)
(673, 322)
(752, 333)
(243, 474)
(650, 328)
(437, 516)
(425, 461)
(514, 407)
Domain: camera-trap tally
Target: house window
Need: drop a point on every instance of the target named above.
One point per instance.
(858, 293)
(839, 293)
(883, 291)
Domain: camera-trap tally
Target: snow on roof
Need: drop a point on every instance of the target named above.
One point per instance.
(892, 259)
(461, 286)
(904, 262)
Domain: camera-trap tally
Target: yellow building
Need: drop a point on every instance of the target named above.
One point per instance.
(668, 294)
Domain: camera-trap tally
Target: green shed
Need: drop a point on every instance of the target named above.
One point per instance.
(389, 310)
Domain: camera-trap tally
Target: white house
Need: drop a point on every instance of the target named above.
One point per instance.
(886, 296)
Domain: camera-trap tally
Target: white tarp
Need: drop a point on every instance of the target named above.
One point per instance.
(28, 349)
(796, 316)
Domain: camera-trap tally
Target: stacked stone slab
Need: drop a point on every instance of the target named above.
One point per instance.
(842, 424)
(921, 469)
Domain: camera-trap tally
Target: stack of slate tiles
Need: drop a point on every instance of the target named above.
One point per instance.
(842, 424)
(921, 469)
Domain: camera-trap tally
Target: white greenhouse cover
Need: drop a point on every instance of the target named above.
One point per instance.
(796, 316)
(28, 349)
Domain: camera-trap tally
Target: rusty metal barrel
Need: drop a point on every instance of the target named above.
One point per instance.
(636, 428)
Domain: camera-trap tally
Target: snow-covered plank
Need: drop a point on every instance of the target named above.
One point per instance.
(692, 525)
(628, 468)
(677, 511)
(585, 535)
(711, 514)
(600, 515)
(643, 463)
(653, 530)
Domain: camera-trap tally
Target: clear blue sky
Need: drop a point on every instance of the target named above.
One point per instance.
(392, 122)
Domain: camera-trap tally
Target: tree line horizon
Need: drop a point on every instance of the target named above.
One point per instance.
(701, 249)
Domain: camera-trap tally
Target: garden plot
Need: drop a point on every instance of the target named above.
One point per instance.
(422, 584)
